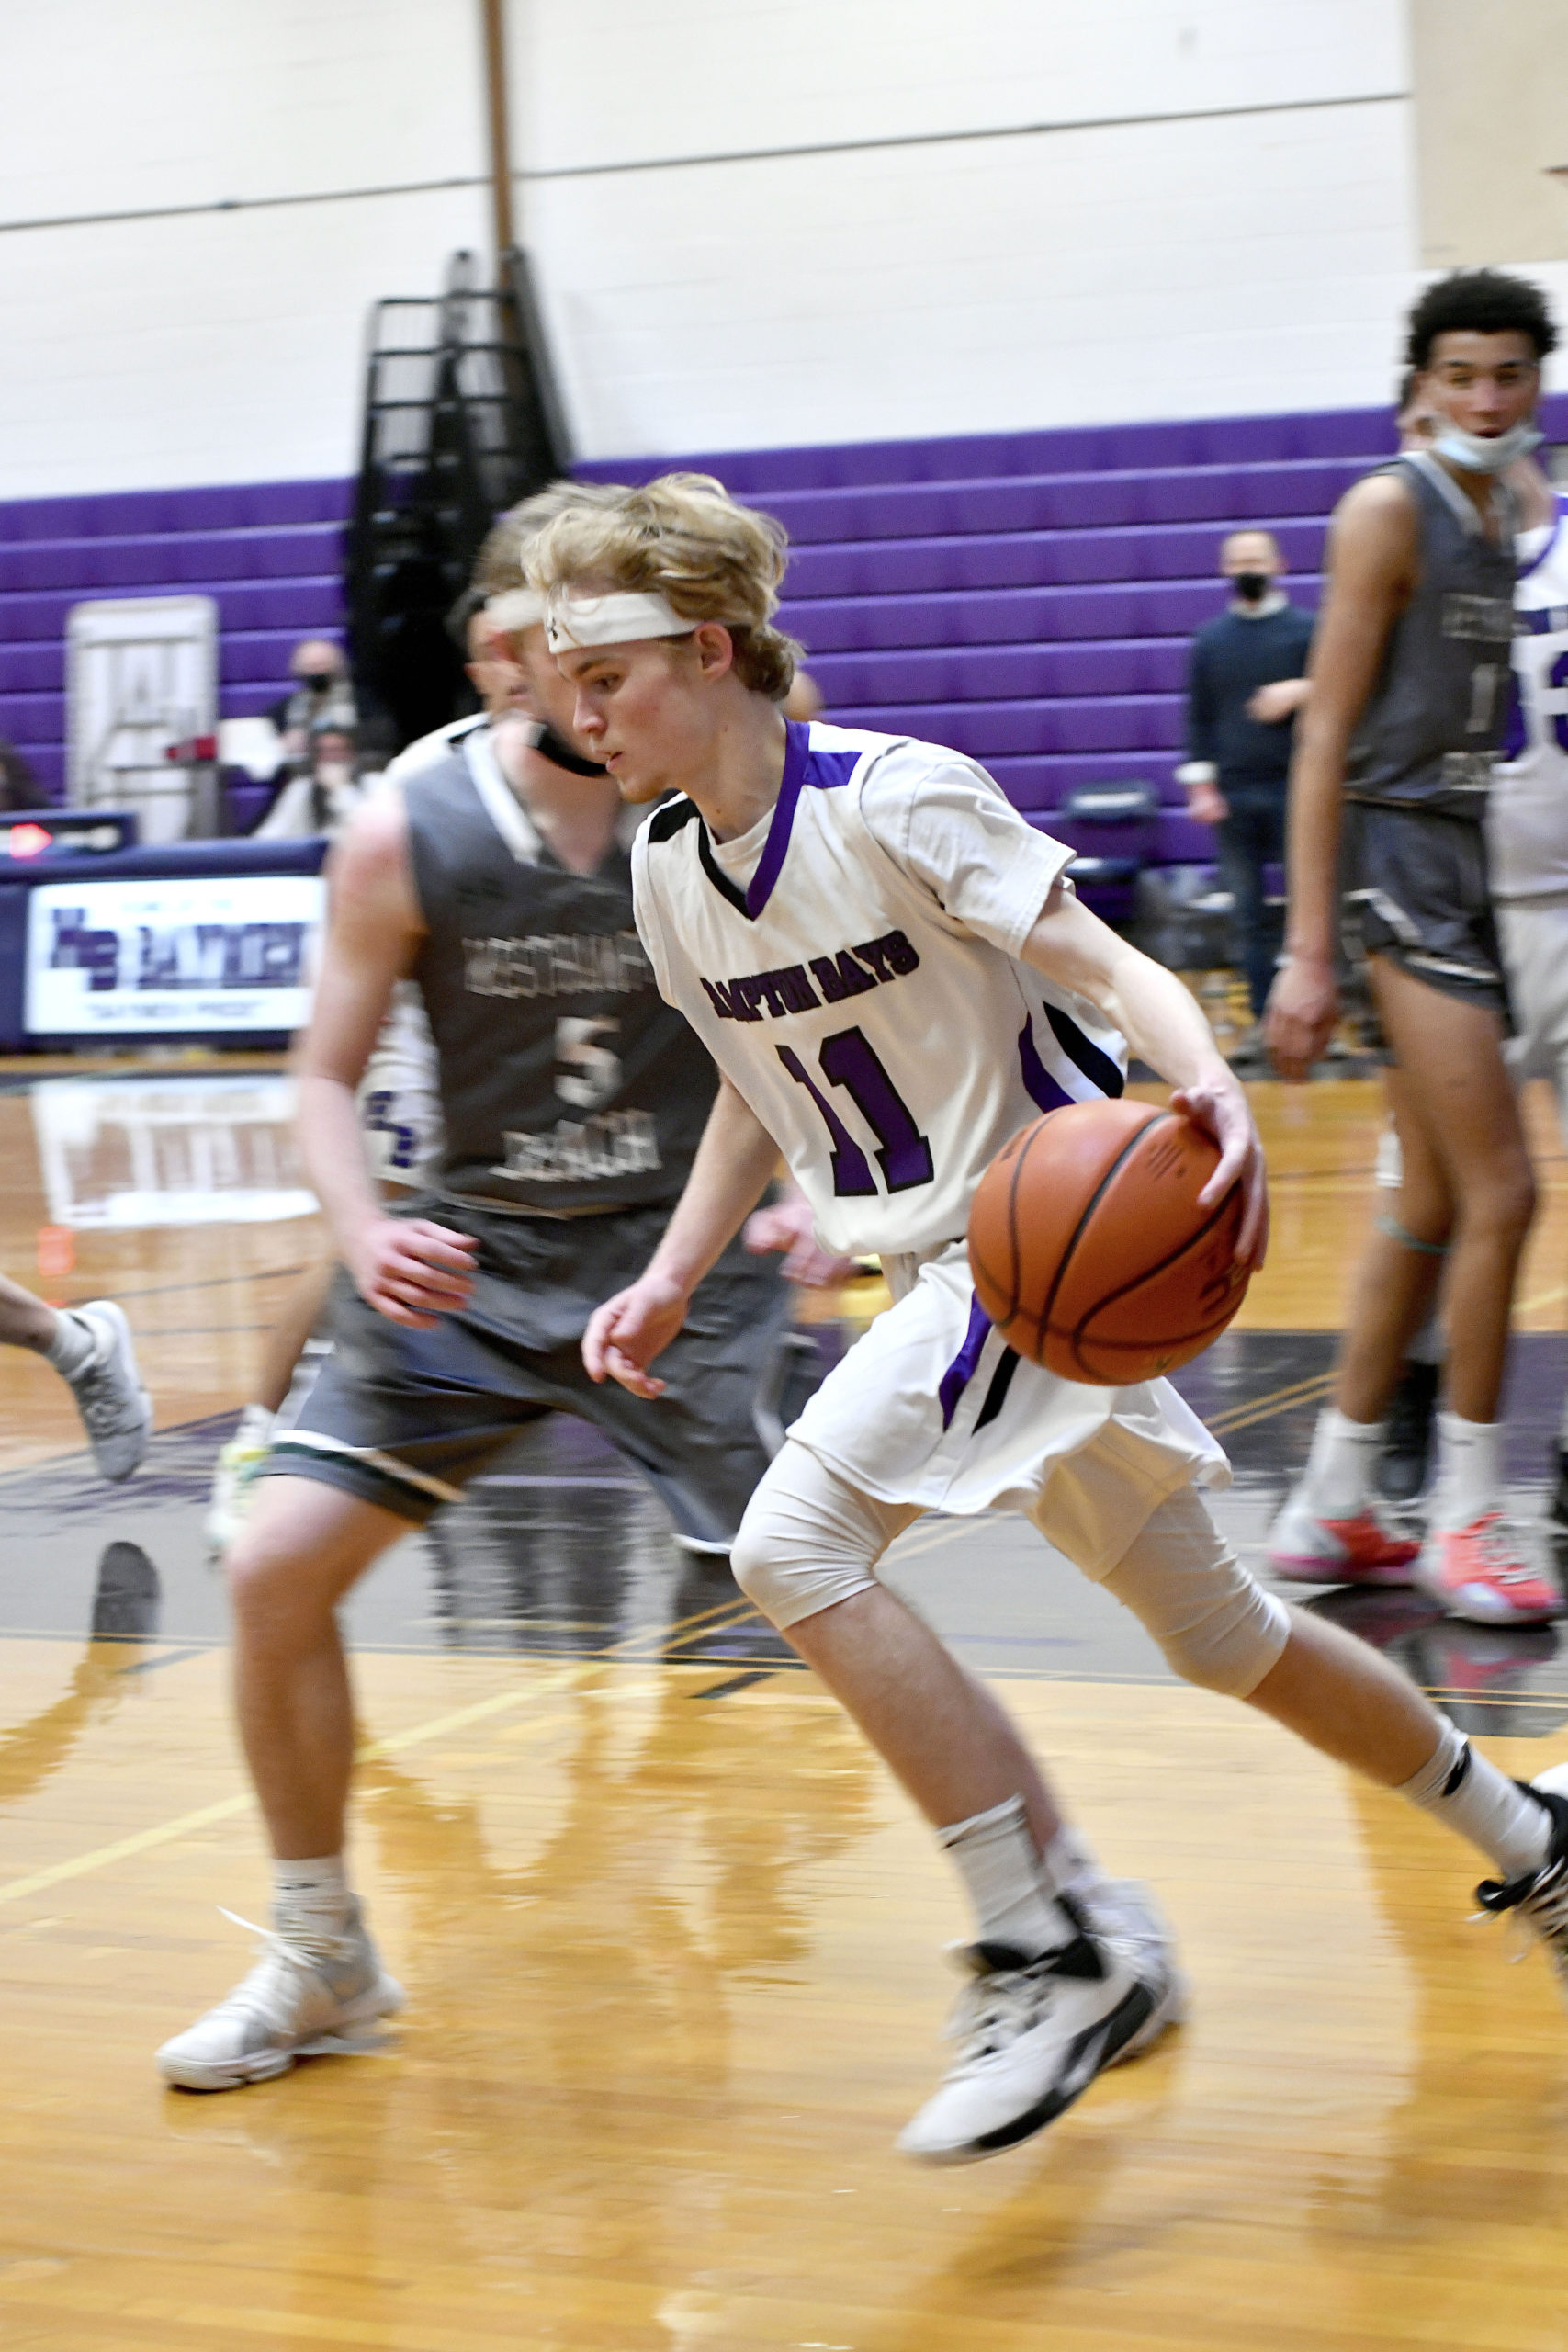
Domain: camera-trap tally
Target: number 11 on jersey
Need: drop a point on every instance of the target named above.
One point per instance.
(849, 1060)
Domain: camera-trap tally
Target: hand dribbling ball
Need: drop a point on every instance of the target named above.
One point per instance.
(1089, 1251)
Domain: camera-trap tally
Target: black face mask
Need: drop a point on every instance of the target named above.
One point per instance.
(1250, 586)
(550, 746)
(318, 681)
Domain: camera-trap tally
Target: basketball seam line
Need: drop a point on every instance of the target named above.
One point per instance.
(1042, 1320)
(1150, 1272)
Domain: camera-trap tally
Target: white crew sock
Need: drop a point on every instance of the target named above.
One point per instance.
(1510, 1824)
(1340, 1475)
(74, 1347)
(1470, 1478)
(1001, 1866)
(310, 1899)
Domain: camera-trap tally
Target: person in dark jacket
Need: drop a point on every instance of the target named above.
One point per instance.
(1245, 683)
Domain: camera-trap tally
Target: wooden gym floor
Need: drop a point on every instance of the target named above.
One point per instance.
(670, 1936)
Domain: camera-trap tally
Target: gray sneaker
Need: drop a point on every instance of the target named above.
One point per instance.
(299, 2001)
(117, 1411)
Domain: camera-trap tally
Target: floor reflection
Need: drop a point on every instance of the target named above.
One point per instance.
(166, 1149)
(562, 1552)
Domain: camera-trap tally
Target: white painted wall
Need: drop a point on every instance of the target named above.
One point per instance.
(1253, 258)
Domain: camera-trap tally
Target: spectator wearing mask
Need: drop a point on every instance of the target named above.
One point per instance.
(1245, 682)
(325, 795)
(322, 692)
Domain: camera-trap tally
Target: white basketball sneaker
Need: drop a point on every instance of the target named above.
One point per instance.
(1124, 1915)
(1540, 1900)
(117, 1411)
(300, 2000)
(1032, 2035)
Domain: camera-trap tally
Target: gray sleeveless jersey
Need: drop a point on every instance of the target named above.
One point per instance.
(565, 1082)
(1437, 714)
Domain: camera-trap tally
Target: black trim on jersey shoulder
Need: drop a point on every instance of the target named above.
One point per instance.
(667, 821)
(1098, 1067)
(559, 754)
(719, 877)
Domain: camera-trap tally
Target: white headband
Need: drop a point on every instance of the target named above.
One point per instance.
(574, 622)
(519, 608)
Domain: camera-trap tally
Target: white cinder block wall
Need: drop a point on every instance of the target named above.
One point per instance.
(1222, 220)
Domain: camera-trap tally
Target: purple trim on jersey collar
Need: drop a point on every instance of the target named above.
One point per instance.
(1038, 1082)
(1555, 535)
(962, 1370)
(801, 765)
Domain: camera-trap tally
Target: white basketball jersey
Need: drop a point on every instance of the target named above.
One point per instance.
(887, 1048)
(1527, 823)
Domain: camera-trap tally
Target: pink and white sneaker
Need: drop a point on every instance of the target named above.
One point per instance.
(1308, 1550)
(1480, 1573)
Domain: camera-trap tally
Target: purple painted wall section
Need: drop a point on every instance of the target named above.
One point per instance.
(1026, 596)
(270, 553)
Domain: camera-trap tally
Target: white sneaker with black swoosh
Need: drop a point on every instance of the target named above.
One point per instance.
(1032, 2035)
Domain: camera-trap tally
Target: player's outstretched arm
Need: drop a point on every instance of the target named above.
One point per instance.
(735, 1159)
(1371, 564)
(1164, 1027)
(408, 1269)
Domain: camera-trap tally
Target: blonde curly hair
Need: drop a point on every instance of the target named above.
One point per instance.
(682, 538)
(499, 566)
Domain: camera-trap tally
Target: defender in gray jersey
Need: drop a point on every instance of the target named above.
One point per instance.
(1410, 671)
(572, 1101)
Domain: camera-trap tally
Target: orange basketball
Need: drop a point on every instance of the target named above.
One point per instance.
(1089, 1251)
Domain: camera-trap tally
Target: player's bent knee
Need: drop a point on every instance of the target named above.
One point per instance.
(808, 1540)
(1214, 1622)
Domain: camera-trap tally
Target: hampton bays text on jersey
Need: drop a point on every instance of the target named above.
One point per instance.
(794, 988)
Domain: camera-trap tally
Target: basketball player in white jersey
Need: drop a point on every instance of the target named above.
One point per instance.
(892, 975)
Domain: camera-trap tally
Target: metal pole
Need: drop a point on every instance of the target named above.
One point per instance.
(494, 16)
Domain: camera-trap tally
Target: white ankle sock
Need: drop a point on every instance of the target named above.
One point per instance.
(1001, 1866)
(1469, 1472)
(313, 1892)
(1069, 1868)
(1339, 1478)
(1511, 1827)
(73, 1345)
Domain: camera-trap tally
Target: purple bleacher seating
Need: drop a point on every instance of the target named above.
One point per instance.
(1027, 597)
(270, 555)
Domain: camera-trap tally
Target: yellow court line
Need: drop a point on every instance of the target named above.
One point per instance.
(166, 1832)
(1276, 1400)
(1542, 1298)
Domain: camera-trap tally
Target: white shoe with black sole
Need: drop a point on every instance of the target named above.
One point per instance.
(1032, 2035)
(1539, 1902)
(1124, 1914)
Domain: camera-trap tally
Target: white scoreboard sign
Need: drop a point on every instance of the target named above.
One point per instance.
(219, 953)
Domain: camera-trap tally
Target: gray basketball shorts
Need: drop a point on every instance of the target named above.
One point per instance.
(1417, 883)
(405, 1418)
